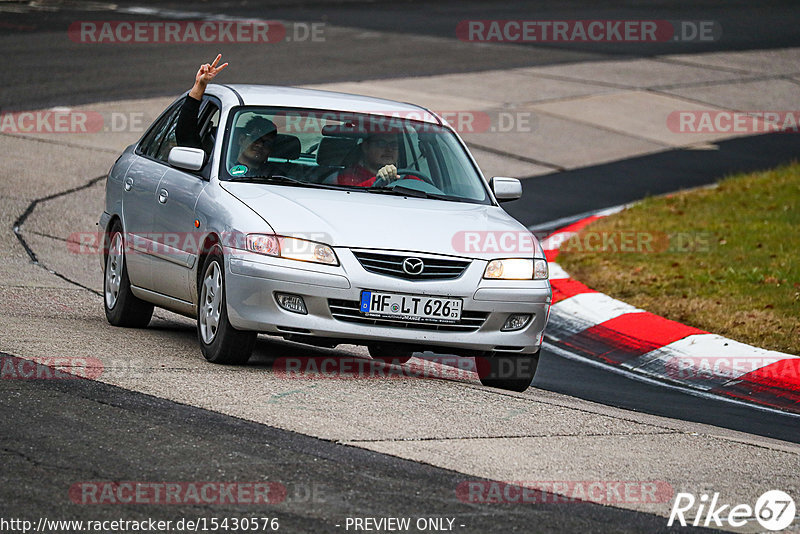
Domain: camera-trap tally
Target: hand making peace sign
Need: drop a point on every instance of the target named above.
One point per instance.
(204, 75)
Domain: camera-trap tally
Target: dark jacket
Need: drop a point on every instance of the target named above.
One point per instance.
(187, 131)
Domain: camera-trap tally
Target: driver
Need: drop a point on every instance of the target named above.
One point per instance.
(377, 164)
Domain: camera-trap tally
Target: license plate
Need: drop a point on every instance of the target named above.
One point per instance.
(410, 307)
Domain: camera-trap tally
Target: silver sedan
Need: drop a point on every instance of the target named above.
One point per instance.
(324, 218)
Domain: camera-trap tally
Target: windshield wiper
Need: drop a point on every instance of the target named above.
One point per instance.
(271, 178)
(408, 192)
(281, 180)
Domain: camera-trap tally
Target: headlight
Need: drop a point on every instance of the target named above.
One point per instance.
(517, 269)
(291, 248)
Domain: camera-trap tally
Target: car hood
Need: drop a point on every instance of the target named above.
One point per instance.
(375, 221)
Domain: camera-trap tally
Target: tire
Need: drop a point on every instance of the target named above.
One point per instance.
(389, 353)
(122, 307)
(510, 372)
(220, 342)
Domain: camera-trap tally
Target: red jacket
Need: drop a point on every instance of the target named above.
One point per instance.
(360, 176)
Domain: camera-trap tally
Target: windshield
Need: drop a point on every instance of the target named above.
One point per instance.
(369, 153)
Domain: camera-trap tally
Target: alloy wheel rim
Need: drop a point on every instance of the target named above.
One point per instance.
(210, 303)
(113, 278)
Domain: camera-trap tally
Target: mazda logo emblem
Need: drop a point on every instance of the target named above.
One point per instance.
(413, 266)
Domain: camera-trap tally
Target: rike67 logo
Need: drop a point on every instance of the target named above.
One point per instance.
(774, 510)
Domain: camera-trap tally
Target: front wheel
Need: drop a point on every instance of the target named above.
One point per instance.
(510, 372)
(220, 342)
(122, 307)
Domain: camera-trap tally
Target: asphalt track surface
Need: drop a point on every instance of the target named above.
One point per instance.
(153, 439)
(397, 39)
(83, 430)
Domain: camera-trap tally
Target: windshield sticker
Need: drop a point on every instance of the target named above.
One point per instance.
(237, 170)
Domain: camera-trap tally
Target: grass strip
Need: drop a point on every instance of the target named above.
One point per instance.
(723, 259)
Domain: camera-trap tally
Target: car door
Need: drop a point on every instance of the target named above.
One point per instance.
(174, 215)
(139, 192)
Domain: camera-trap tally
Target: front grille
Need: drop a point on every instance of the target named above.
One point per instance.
(350, 311)
(392, 265)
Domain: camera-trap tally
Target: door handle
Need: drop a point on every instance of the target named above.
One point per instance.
(163, 195)
(128, 184)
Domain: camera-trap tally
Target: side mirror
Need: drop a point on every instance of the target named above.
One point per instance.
(506, 189)
(191, 159)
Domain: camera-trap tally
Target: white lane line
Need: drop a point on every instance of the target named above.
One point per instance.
(565, 221)
(185, 15)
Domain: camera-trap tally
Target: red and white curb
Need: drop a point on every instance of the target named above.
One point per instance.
(596, 326)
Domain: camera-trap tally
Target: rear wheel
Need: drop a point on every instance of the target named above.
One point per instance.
(389, 353)
(122, 307)
(220, 342)
(511, 372)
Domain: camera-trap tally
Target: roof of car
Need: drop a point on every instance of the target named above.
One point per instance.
(279, 96)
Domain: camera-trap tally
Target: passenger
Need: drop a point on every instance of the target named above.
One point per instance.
(186, 131)
(254, 141)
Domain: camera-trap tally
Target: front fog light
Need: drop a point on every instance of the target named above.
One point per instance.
(516, 321)
(292, 303)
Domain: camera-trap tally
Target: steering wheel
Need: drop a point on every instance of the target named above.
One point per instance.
(416, 173)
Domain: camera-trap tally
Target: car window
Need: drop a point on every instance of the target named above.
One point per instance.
(214, 116)
(168, 140)
(416, 154)
(153, 139)
(208, 124)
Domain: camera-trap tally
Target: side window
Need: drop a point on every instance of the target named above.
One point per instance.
(168, 140)
(154, 138)
(209, 122)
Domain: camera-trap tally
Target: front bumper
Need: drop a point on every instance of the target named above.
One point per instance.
(331, 293)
